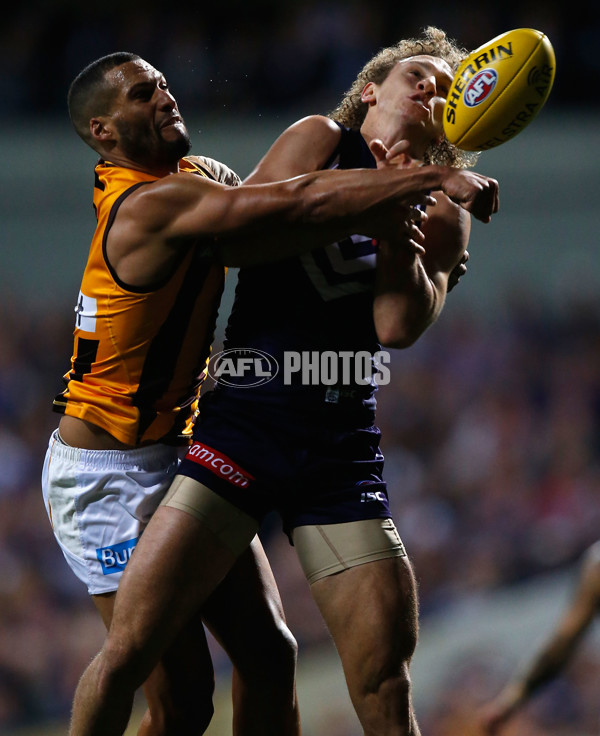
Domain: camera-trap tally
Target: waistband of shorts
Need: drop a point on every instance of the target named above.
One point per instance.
(141, 457)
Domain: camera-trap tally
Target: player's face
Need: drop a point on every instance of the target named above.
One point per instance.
(149, 128)
(413, 96)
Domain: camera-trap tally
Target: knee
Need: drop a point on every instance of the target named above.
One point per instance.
(280, 653)
(120, 667)
(286, 650)
(274, 654)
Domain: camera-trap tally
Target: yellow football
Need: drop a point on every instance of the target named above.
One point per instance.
(499, 89)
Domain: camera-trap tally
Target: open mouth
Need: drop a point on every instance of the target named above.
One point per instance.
(171, 121)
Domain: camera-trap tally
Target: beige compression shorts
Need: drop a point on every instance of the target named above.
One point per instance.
(331, 548)
(233, 527)
(322, 550)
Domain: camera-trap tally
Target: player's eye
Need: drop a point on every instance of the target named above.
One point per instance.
(143, 92)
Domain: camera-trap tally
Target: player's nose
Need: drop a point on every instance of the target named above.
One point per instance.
(166, 99)
(428, 85)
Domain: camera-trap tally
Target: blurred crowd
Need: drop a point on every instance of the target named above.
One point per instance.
(492, 445)
(264, 56)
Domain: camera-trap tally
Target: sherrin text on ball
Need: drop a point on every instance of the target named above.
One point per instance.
(499, 89)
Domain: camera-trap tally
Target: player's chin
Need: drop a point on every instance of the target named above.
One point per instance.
(177, 143)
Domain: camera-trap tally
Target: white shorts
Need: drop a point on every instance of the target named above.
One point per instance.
(99, 502)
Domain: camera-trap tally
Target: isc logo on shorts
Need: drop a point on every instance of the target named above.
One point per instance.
(369, 496)
(114, 558)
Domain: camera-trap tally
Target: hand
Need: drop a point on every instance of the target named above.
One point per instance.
(474, 192)
(458, 272)
(398, 155)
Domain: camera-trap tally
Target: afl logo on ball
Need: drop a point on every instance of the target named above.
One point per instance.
(480, 87)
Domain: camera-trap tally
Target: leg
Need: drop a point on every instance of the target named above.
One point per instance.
(364, 587)
(371, 612)
(246, 616)
(180, 688)
(177, 564)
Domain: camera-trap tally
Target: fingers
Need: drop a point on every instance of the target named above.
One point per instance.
(379, 151)
(398, 148)
(420, 199)
(398, 155)
(485, 203)
(456, 274)
(475, 193)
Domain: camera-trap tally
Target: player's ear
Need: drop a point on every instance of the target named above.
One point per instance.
(368, 93)
(101, 129)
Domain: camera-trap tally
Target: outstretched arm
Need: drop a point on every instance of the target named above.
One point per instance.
(556, 652)
(258, 222)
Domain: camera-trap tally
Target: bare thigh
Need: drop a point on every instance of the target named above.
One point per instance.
(371, 612)
(246, 615)
(177, 564)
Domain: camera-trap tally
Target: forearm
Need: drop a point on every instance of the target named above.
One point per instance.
(547, 665)
(544, 668)
(407, 301)
(316, 209)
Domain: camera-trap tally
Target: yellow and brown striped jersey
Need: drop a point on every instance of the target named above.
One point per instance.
(140, 355)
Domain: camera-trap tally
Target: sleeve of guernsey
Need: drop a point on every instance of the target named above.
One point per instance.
(221, 172)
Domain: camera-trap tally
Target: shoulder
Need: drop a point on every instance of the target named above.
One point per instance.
(303, 147)
(320, 124)
(156, 205)
(218, 170)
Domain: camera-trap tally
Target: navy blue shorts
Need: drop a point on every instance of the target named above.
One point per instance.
(307, 472)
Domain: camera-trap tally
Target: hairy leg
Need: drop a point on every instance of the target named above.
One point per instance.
(177, 564)
(246, 616)
(371, 612)
(179, 690)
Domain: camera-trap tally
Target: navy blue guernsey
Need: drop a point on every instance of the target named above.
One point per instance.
(313, 315)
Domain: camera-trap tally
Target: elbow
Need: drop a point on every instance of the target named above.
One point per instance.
(400, 328)
(398, 336)
(398, 340)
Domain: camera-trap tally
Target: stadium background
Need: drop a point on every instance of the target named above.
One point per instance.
(491, 423)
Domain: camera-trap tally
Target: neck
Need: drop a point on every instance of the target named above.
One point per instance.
(389, 138)
(158, 171)
(148, 167)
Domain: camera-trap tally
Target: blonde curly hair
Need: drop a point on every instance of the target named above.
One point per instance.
(351, 110)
